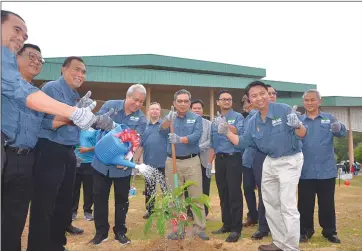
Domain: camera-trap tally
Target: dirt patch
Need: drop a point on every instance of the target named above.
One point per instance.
(190, 244)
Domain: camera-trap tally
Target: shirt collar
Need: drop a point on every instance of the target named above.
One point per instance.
(67, 90)
(157, 122)
(305, 116)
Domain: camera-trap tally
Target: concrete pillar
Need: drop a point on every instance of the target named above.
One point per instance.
(148, 99)
(212, 103)
(350, 138)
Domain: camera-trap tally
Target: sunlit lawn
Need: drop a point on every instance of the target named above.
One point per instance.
(348, 210)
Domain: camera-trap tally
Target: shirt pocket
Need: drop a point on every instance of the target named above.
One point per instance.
(132, 124)
(325, 134)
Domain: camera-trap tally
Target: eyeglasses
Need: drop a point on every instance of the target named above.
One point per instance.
(180, 101)
(226, 99)
(33, 57)
(272, 93)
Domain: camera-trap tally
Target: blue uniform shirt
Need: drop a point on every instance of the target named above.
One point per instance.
(220, 143)
(272, 136)
(318, 149)
(14, 91)
(136, 121)
(87, 139)
(248, 155)
(67, 134)
(189, 126)
(154, 145)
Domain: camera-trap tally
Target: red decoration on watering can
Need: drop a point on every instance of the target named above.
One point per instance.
(129, 135)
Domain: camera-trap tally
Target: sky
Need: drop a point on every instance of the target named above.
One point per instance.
(301, 42)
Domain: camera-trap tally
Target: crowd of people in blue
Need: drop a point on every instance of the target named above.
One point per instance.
(49, 137)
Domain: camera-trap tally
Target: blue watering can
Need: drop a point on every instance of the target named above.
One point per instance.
(111, 151)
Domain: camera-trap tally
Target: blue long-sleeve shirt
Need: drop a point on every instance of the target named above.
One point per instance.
(154, 145)
(67, 134)
(272, 136)
(219, 142)
(14, 91)
(318, 148)
(136, 121)
(248, 155)
(189, 126)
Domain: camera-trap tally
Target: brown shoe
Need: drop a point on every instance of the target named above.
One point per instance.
(249, 222)
(270, 247)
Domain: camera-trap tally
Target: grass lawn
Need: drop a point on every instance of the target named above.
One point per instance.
(348, 211)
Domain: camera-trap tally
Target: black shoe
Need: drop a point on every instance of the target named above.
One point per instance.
(99, 238)
(74, 230)
(122, 238)
(233, 237)
(222, 230)
(333, 238)
(303, 238)
(259, 235)
(146, 216)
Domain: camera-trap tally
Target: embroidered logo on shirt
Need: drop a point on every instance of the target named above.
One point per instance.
(190, 121)
(231, 121)
(133, 118)
(276, 121)
(325, 121)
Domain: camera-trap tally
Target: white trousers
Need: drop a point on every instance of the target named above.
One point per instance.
(279, 188)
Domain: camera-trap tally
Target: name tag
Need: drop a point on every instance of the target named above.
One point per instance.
(190, 121)
(325, 121)
(134, 118)
(231, 121)
(276, 121)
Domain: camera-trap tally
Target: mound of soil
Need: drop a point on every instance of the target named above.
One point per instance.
(188, 244)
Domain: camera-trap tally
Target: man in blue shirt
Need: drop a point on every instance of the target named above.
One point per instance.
(127, 112)
(186, 137)
(249, 183)
(15, 91)
(84, 173)
(319, 170)
(154, 148)
(55, 165)
(228, 168)
(257, 165)
(277, 131)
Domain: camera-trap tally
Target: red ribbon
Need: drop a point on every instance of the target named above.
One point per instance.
(129, 135)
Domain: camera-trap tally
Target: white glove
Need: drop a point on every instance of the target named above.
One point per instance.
(208, 170)
(85, 101)
(83, 117)
(142, 168)
(171, 116)
(292, 118)
(217, 120)
(223, 127)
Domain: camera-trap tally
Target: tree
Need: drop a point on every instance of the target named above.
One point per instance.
(358, 153)
(341, 145)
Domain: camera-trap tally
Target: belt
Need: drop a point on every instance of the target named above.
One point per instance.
(69, 146)
(183, 157)
(20, 151)
(224, 155)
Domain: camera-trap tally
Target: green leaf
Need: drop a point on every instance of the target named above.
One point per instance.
(178, 192)
(161, 225)
(148, 223)
(202, 199)
(196, 210)
(188, 184)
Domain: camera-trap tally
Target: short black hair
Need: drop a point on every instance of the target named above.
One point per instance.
(253, 84)
(222, 92)
(268, 85)
(182, 91)
(197, 101)
(5, 15)
(68, 60)
(33, 46)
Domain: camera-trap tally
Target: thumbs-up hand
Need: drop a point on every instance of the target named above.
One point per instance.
(85, 101)
(217, 120)
(171, 116)
(223, 127)
(336, 126)
(104, 121)
(292, 118)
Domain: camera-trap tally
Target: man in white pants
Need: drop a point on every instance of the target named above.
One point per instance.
(276, 131)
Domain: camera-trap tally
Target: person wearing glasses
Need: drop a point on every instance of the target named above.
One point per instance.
(228, 168)
(17, 92)
(186, 137)
(272, 93)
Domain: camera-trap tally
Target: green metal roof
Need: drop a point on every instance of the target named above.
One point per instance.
(118, 75)
(151, 61)
(341, 101)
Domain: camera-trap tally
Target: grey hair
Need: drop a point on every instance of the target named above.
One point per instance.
(182, 91)
(312, 91)
(136, 88)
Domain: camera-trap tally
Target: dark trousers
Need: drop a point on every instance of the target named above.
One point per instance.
(228, 180)
(84, 174)
(205, 186)
(249, 193)
(17, 187)
(150, 190)
(51, 206)
(102, 186)
(257, 166)
(3, 154)
(307, 191)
